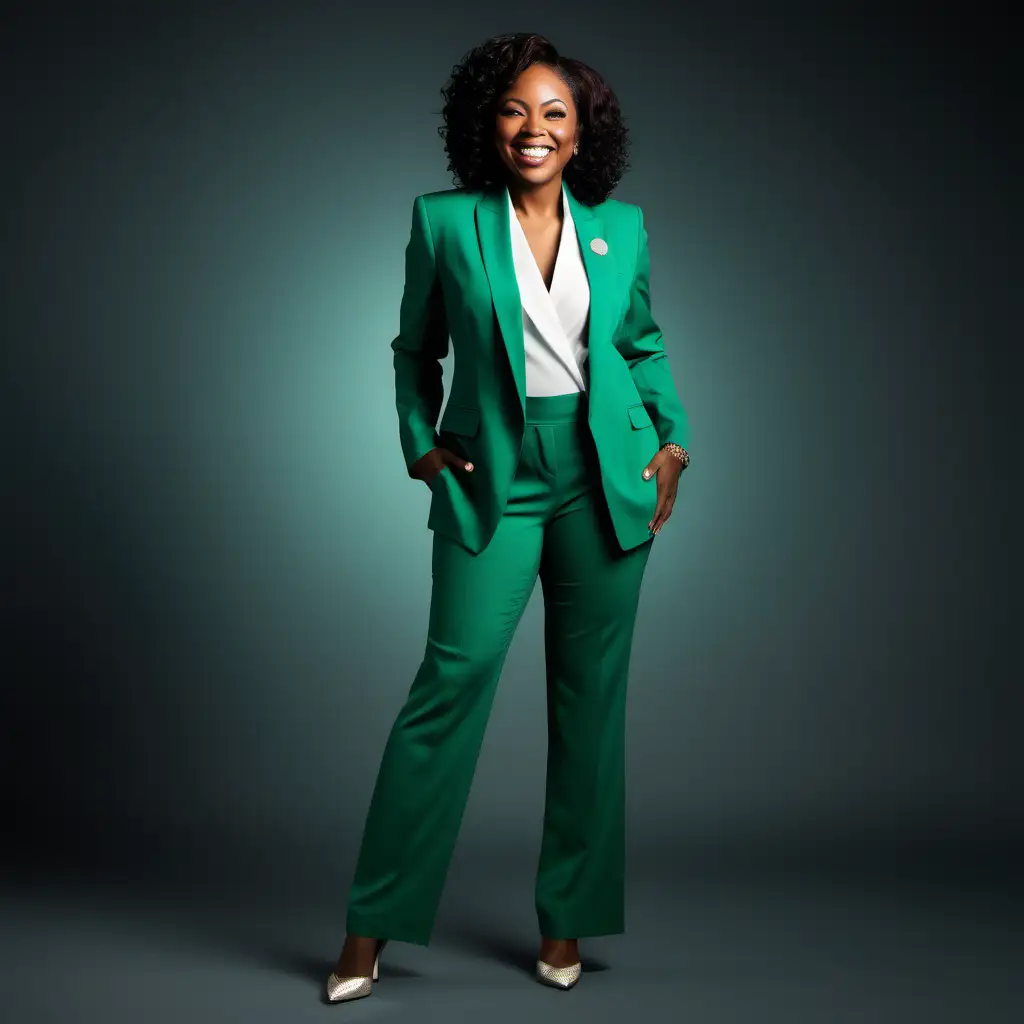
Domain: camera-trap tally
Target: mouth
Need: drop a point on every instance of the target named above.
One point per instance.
(531, 155)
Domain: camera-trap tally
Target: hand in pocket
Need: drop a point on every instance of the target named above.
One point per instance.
(428, 466)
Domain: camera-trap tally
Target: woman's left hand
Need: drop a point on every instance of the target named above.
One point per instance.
(667, 469)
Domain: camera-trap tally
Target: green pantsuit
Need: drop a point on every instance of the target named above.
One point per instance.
(558, 493)
(555, 525)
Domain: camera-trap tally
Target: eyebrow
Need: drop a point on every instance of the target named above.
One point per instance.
(516, 99)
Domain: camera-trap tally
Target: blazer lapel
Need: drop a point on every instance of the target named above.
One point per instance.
(495, 237)
(602, 273)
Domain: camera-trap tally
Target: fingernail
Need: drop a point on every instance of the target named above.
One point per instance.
(469, 467)
(647, 473)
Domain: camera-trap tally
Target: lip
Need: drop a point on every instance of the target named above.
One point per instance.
(531, 161)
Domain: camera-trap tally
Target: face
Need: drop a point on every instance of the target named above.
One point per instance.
(536, 126)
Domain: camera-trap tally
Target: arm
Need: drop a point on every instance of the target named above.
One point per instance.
(639, 341)
(421, 343)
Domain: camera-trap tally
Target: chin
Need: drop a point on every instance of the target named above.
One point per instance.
(535, 175)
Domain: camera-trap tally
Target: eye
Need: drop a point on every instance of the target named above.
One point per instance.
(556, 113)
(509, 112)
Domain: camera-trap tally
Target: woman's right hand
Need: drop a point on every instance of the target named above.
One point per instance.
(428, 466)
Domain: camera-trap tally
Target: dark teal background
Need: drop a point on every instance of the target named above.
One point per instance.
(218, 572)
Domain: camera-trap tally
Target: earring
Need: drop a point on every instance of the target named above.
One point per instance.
(576, 148)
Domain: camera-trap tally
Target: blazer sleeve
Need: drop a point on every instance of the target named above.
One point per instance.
(639, 340)
(421, 343)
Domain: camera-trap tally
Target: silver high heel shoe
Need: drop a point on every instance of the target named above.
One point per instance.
(340, 989)
(559, 977)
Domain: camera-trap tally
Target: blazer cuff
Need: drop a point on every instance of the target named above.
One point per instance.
(417, 453)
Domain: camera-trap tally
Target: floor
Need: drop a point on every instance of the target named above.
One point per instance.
(715, 947)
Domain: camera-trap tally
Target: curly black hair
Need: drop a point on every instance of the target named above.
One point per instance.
(471, 95)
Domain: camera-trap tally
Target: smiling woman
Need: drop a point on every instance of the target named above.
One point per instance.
(581, 116)
(545, 140)
(557, 456)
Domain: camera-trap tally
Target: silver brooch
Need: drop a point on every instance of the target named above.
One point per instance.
(600, 246)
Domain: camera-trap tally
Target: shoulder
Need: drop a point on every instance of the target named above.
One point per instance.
(619, 215)
(450, 201)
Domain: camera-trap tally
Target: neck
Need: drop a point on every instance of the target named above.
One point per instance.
(537, 202)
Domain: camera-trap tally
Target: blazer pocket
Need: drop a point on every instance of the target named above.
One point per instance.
(639, 416)
(460, 419)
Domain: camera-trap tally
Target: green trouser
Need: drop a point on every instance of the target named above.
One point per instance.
(556, 526)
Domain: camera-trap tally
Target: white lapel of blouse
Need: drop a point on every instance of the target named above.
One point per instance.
(537, 301)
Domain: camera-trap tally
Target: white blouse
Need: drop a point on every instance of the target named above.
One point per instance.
(555, 322)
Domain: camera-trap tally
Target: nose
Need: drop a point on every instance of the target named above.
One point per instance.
(534, 123)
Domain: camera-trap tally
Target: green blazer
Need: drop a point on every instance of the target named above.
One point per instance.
(460, 283)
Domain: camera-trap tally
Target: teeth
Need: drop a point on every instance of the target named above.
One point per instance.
(534, 150)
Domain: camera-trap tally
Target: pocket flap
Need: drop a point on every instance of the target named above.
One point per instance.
(639, 416)
(460, 419)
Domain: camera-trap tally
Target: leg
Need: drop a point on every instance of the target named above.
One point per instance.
(431, 753)
(591, 592)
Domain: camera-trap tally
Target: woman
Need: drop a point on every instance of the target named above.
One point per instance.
(558, 456)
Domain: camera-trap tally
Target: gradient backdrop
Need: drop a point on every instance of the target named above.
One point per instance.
(218, 572)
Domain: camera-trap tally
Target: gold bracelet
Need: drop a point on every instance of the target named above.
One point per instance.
(678, 451)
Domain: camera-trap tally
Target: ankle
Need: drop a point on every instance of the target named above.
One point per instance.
(559, 952)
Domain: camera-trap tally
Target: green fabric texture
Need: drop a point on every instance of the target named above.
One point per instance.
(461, 289)
(555, 528)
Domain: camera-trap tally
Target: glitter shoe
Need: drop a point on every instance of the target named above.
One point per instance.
(559, 977)
(340, 989)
